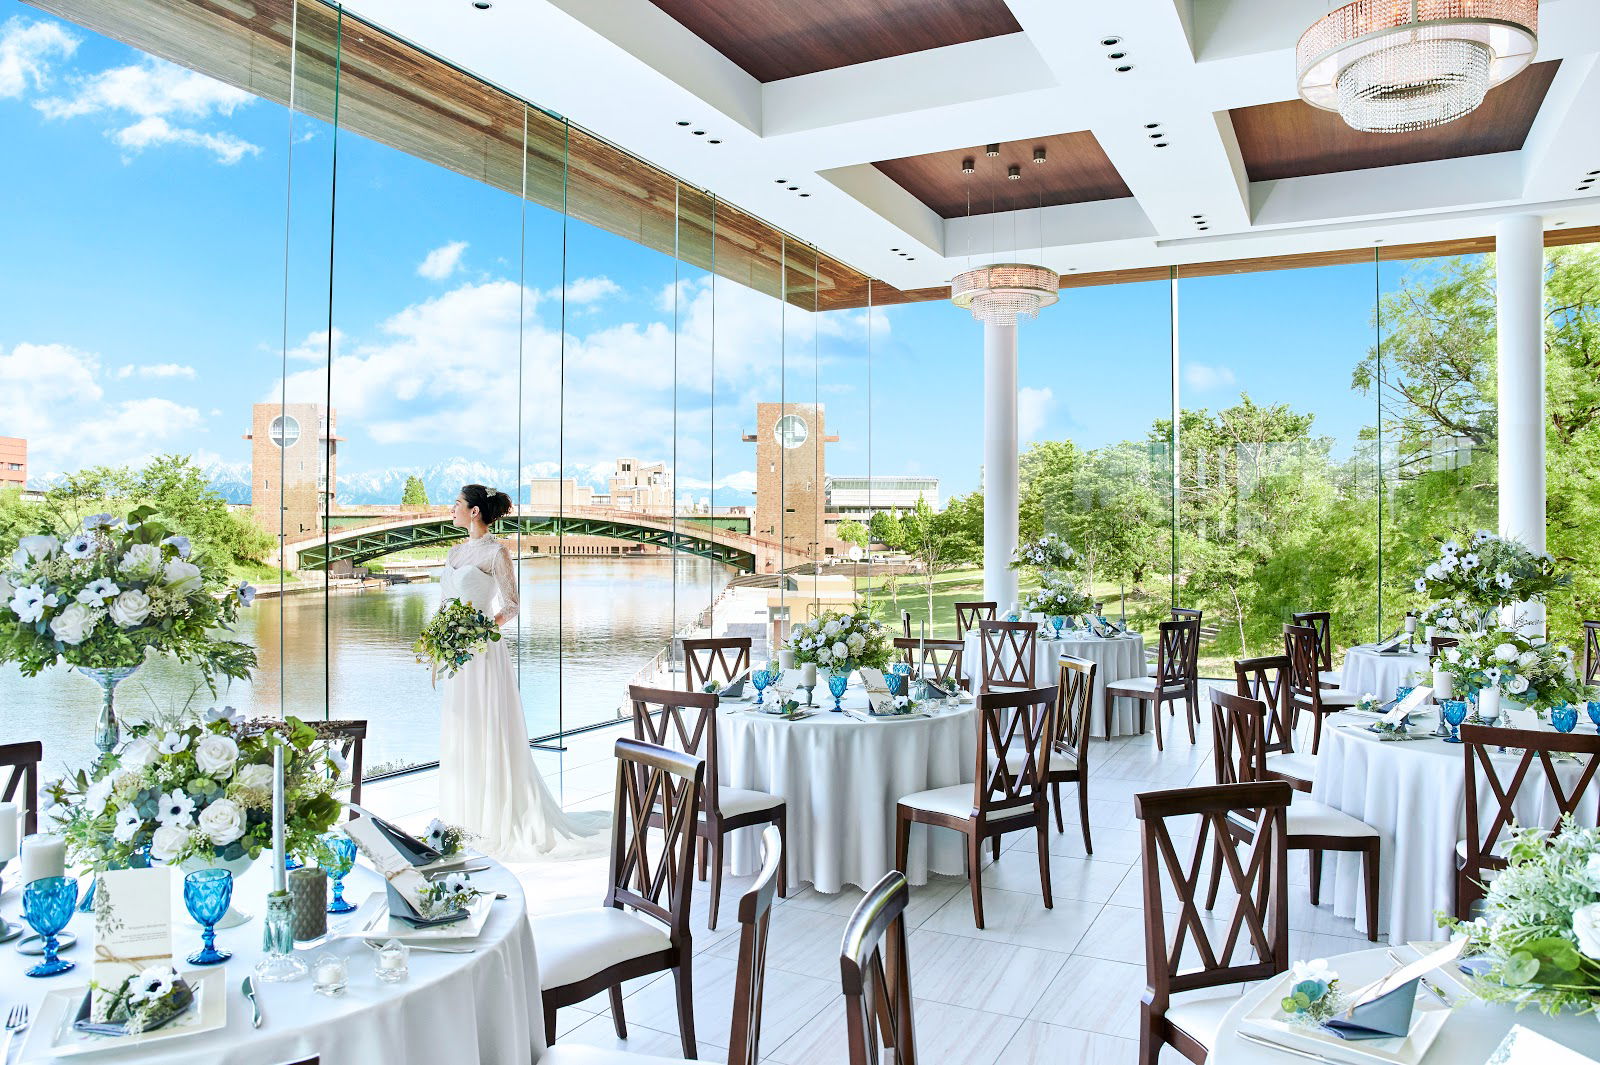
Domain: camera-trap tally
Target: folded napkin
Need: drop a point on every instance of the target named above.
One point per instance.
(411, 849)
(400, 906)
(181, 1003)
(1385, 1017)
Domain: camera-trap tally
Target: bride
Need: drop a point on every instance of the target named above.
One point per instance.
(488, 783)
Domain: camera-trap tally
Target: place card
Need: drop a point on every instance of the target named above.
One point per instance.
(1383, 1008)
(872, 680)
(132, 928)
(1524, 1046)
(403, 878)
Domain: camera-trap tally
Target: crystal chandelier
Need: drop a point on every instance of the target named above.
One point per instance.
(1003, 292)
(1393, 66)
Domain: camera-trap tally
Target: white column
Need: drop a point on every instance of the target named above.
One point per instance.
(1519, 304)
(999, 463)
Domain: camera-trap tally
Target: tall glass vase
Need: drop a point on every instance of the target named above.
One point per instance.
(106, 729)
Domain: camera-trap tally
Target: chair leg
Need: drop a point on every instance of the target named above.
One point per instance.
(716, 876)
(1055, 800)
(700, 855)
(618, 1021)
(782, 821)
(682, 977)
(549, 1024)
(1316, 878)
(902, 839)
(975, 875)
(995, 843)
(1316, 732)
(1083, 808)
(1142, 705)
(1190, 711)
(1150, 1042)
(1369, 876)
(1044, 860)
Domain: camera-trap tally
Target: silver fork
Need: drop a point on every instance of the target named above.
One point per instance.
(16, 1021)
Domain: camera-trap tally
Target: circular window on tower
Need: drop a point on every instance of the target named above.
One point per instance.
(791, 430)
(284, 431)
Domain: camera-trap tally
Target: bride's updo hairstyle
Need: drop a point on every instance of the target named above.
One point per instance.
(492, 505)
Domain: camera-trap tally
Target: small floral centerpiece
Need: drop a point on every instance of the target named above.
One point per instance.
(448, 840)
(1368, 702)
(1057, 596)
(454, 636)
(201, 793)
(1488, 573)
(450, 894)
(711, 687)
(1451, 617)
(1529, 670)
(1314, 995)
(1539, 931)
(841, 643)
(143, 1002)
(1048, 552)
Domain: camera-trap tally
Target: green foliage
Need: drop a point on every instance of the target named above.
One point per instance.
(852, 532)
(885, 528)
(415, 493)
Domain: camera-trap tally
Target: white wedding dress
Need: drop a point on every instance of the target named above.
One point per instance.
(488, 783)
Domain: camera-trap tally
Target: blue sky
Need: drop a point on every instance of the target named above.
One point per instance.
(142, 309)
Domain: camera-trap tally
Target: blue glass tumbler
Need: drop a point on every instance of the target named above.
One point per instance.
(206, 894)
(338, 858)
(837, 683)
(1455, 712)
(762, 679)
(47, 906)
(1564, 716)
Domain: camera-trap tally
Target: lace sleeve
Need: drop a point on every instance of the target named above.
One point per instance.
(505, 578)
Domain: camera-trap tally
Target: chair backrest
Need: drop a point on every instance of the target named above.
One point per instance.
(723, 660)
(1074, 699)
(755, 915)
(348, 737)
(681, 721)
(969, 614)
(1177, 652)
(1238, 737)
(875, 974)
(1006, 654)
(1267, 679)
(1591, 652)
(23, 760)
(1013, 723)
(1322, 622)
(1257, 871)
(1300, 648)
(1183, 613)
(1487, 827)
(654, 783)
(1439, 643)
(940, 659)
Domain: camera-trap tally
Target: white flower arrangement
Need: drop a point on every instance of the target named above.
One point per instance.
(143, 1001)
(1057, 596)
(448, 840)
(1529, 670)
(449, 894)
(1492, 572)
(1314, 995)
(841, 642)
(1048, 552)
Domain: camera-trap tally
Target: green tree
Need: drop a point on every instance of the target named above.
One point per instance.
(415, 493)
(852, 532)
(885, 528)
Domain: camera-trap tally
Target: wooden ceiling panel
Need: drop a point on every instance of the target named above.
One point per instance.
(1076, 170)
(776, 39)
(1293, 139)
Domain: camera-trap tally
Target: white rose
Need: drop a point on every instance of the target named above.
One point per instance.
(181, 578)
(223, 821)
(216, 755)
(73, 625)
(1452, 655)
(1517, 685)
(137, 755)
(1505, 652)
(1433, 571)
(97, 796)
(1591, 871)
(39, 547)
(130, 608)
(255, 776)
(141, 561)
(1527, 658)
(840, 650)
(1586, 926)
(167, 841)
(856, 641)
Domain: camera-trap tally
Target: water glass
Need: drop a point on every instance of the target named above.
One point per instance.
(47, 906)
(1594, 715)
(1564, 716)
(338, 858)
(1401, 692)
(206, 894)
(762, 679)
(837, 683)
(1455, 712)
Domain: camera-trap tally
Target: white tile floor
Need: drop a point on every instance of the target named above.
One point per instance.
(1036, 985)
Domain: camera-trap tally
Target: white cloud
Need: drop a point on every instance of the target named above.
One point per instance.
(160, 369)
(442, 261)
(588, 290)
(154, 132)
(1199, 376)
(26, 49)
(314, 348)
(1033, 410)
(739, 481)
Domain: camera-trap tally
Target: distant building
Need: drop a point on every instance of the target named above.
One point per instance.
(859, 498)
(790, 471)
(293, 466)
(13, 462)
(548, 493)
(640, 486)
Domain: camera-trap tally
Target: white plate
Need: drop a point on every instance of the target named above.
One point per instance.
(372, 921)
(51, 1032)
(1427, 1018)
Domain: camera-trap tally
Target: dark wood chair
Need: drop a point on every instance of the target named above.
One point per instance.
(1489, 837)
(1181, 1007)
(1306, 695)
(1438, 644)
(969, 614)
(1322, 622)
(1239, 756)
(1179, 613)
(1069, 753)
(584, 952)
(348, 737)
(1267, 679)
(1177, 678)
(1006, 654)
(875, 975)
(935, 659)
(22, 783)
(1008, 793)
(687, 722)
(1591, 652)
(723, 660)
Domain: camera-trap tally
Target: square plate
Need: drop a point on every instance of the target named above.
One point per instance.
(1448, 978)
(52, 1034)
(372, 921)
(1427, 1019)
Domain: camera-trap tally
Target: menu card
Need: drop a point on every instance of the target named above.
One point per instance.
(132, 928)
(404, 879)
(879, 697)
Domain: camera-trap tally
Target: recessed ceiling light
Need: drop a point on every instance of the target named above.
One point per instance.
(1116, 55)
(894, 249)
(1594, 173)
(714, 140)
(1109, 41)
(683, 122)
(911, 258)
(803, 195)
(482, 5)
(1197, 216)
(1161, 144)
(1583, 188)
(1124, 68)
(793, 187)
(1152, 125)
(699, 133)
(1157, 136)
(782, 180)
(1013, 172)
(992, 151)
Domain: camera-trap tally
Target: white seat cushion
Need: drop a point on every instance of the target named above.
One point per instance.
(1307, 817)
(1331, 677)
(578, 944)
(1294, 763)
(1141, 684)
(1501, 848)
(733, 801)
(1150, 670)
(1333, 698)
(956, 800)
(1200, 1013)
(578, 1054)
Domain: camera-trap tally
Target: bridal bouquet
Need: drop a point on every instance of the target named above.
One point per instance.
(108, 591)
(202, 791)
(841, 642)
(1047, 552)
(458, 633)
(1529, 671)
(1057, 596)
(1489, 572)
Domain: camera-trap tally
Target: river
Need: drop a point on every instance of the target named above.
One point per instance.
(618, 614)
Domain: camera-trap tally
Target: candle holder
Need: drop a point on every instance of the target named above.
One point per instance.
(393, 961)
(277, 939)
(329, 975)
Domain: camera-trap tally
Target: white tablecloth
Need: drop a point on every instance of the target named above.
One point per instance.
(1118, 659)
(1365, 671)
(1414, 794)
(481, 1007)
(1473, 1030)
(842, 778)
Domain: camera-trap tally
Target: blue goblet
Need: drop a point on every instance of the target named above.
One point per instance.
(47, 906)
(207, 893)
(896, 682)
(762, 679)
(338, 857)
(1594, 715)
(1058, 621)
(1564, 716)
(1401, 692)
(837, 683)
(1455, 712)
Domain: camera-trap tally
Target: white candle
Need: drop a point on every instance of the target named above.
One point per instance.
(1427, 634)
(1411, 623)
(8, 831)
(786, 659)
(43, 855)
(279, 859)
(1443, 686)
(1489, 702)
(808, 674)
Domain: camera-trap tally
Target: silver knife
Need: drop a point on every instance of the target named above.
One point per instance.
(249, 989)
(1273, 1045)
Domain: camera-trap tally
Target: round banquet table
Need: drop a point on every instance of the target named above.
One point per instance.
(1118, 659)
(1414, 794)
(1366, 671)
(1471, 1033)
(841, 777)
(480, 1007)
